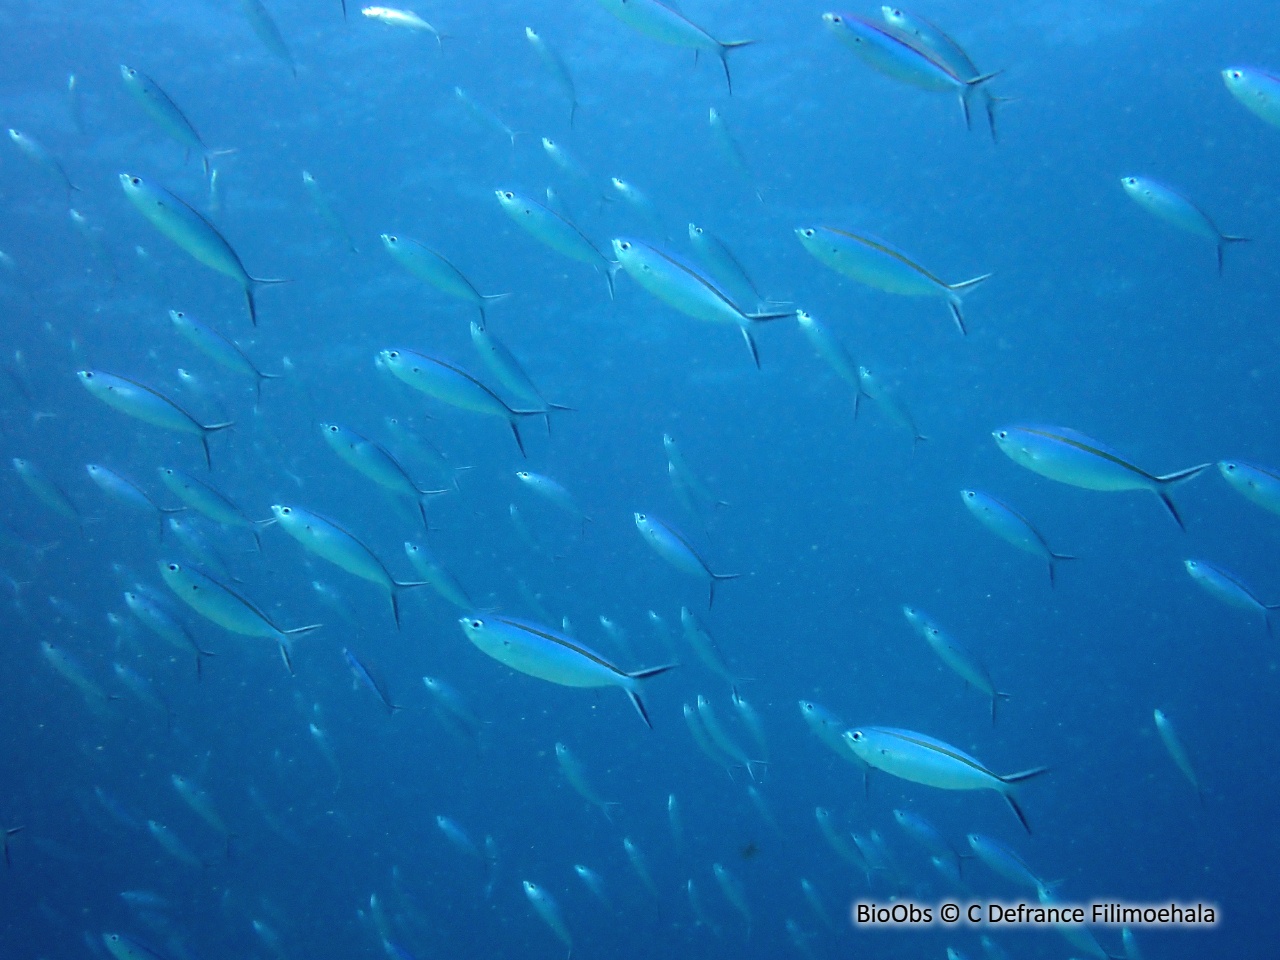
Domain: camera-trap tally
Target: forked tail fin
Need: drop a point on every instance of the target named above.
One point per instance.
(1163, 485)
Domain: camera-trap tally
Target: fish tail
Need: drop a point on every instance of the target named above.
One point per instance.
(1024, 775)
(302, 631)
(958, 290)
(1053, 559)
(610, 273)
(716, 578)
(724, 47)
(248, 294)
(644, 714)
(1011, 799)
(995, 699)
(286, 654)
(515, 431)
(648, 672)
(1168, 480)
(751, 345)
(1225, 239)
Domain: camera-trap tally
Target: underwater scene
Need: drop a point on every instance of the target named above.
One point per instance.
(638, 479)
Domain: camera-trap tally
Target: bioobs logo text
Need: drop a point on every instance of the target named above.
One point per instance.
(892, 914)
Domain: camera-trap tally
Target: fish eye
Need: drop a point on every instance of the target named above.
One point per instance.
(1002, 434)
(393, 355)
(393, 239)
(286, 511)
(475, 624)
(836, 18)
(547, 141)
(624, 246)
(523, 474)
(857, 736)
(136, 181)
(173, 568)
(808, 231)
(333, 429)
(1229, 467)
(417, 369)
(641, 517)
(969, 494)
(509, 195)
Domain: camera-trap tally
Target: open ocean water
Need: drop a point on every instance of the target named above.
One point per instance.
(325, 803)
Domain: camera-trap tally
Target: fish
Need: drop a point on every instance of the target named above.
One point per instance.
(880, 265)
(920, 758)
(640, 865)
(1070, 457)
(1228, 588)
(210, 502)
(173, 845)
(673, 547)
(814, 899)
(923, 35)
(554, 492)
(547, 908)
(370, 459)
(675, 821)
(1259, 484)
(364, 676)
(594, 884)
(454, 833)
(680, 285)
(167, 115)
(566, 161)
(869, 386)
(264, 27)
(576, 775)
(331, 542)
(128, 492)
(70, 669)
(75, 103)
(201, 804)
(457, 388)
(153, 615)
(828, 728)
(1008, 864)
(730, 148)
(639, 201)
(39, 154)
(702, 739)
(222, 351)
(720, 737)
(954, 654)
(543, 653)
(503, 364)
(891, 52)
(435, 269)
(751, 720)
(660, 22)
(150, 406)
(1257, 89)
(90, 236)
(556, 66)
(442, 581)
(403, 18)
(829, 348)
(723, 265)
(557, 232)
(122, 947)
(483, 115)
(144, 690)
(188, 228)
(1172, 207)
(1012, 527)
(687, 483)
(404, 437)
(734, 892)
(926, 835)
(217, 602)
(325, 210)
(47, 491)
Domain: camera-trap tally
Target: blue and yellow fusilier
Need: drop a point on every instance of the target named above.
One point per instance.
(432, 268)
(922, 759)
(1012, 527)
(510, 373)
(166, 114)
(122, 947)
(39, 154)
(217, 602)
(1172, 207)
(148, 405)
(549, 911)
(188, 228)
(672, 547)
(1253, 482)
(212, 503)
(442, 581)
(555, 231)
(373, 461)
(330, 542)
(1070, 457)
(226, 353)
(956, 656)
(680, 285)
(879, 265)
(723, 265)
(902, 57)
(449, 384)
(1258, 90)
(543, 653)
(558, 69)
(1229, 588)
(657, 20)
(127, 492)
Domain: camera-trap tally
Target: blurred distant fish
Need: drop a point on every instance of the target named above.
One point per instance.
(558, 69)
(1070, 457)
(1172, 207)
(879, 265)
(148, 405)
(956, 656)
(455, 387)
(325, 210)
(210, 502)
(640, 865)
(222, 605)
(371, 460)
(90, 236)
(453, 709)
(549, 911)
(266, 30)
(1256, 483)
(831, 350)
(892, 52)
(366, 677)
(566, 161)
(734, 892)
(431, 268)
(1012, 527)
(125, 948)
(576, 775)
(679, 285)
(128, 492)
(75, 102)
(639, 201)
(38, 154)
(660, 22)
(1257, 89)
(167, 115)
(543, 653)
(46, 491)
(1228, 588)
(187, 228)
(509, 371)
(704, 646)
(173, 845)
(724, 266)
(195, 797)
(71, 670)
(409, 441)
(226, 353)
(672, 546)
(155, 617)
(442, 581)
(554, 492)
(1173, 743)
(329, 541)
(402, 18)
(689, 487)
(483, 115)
(594, 883)
(729, 146)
